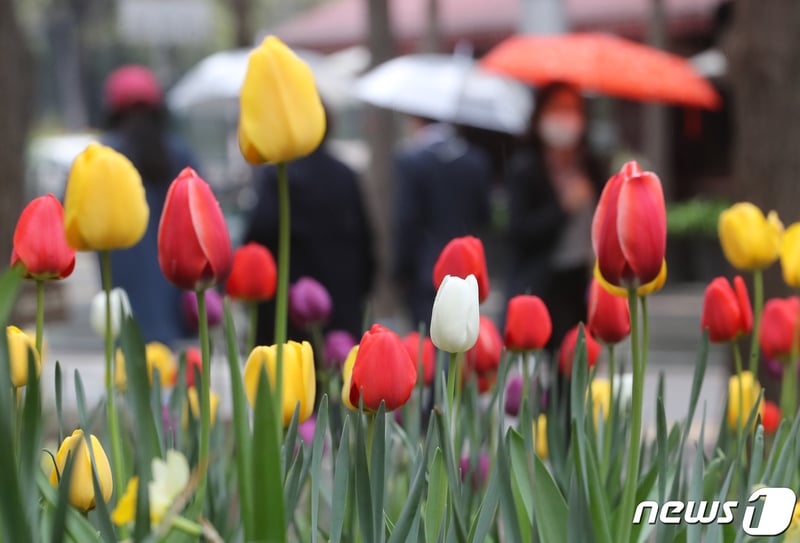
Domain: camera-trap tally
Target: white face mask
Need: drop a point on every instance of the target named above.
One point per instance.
(561, 130)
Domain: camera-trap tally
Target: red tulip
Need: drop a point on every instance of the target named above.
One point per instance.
(528, 324)
(777, 327)
(194, 249)
(194, 364)
(629, 230)
(460, 258)
(484, 357)
(566, 353)
(609, 318)
(383, 371)
(253, 275)
(726, 311)
(771, 418)
(411, 343)
(40, 245)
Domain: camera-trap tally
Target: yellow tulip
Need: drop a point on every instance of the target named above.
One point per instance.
(793, 533)
(81, 488)
(790, 255)
(749, 240)
(280, 113)
(600, 390)
(125, 511)
(157, 356)
(742, 400)
(194, 405)
(104, 205)
(540, 431)
(20, 345)
(347, 375)
(645, 290)
(299, 381)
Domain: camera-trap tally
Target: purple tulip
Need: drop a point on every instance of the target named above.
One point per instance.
(773, 367)
(213, 308)
(514, 396)
(306, 430)
(481, 474)
(338, 344)
(170, 427)
(309, 303)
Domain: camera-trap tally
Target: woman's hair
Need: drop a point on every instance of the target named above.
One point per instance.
(543, 95)
(144, 133)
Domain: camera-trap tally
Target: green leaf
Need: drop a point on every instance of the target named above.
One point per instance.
(552, 516)
(9, 288)
(269, 522)
(58, 386)
(410, 512)
(520, 475)
(290, 441)
(317, 447)
(362, 486)
(31, 437)
(661, 440)
(787, 458)
(587, 471)
(694, 532)
(77, 527)
(377, 475)
(340, 483)
(453, 477)
(437, 497)
(483, 521)
(60, 516)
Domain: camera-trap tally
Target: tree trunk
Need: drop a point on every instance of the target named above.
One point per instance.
(380, 128)
(16, 88)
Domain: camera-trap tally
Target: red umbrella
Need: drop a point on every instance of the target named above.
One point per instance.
(604, 64)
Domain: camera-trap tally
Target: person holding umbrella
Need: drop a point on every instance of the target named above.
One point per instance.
(553, 185)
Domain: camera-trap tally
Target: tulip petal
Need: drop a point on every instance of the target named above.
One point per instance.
(605, 239)
(642, 226)
(745, 309)
(209, 226)
(39, 240)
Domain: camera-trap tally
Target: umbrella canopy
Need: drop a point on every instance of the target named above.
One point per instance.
(604, 64)
(448, 88)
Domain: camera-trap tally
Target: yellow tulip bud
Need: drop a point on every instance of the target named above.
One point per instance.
(790, 255)
(280, 113)
(104, 205)
(600, 389)
(299, 381)
(540, 431)
(194, 405)
(749, 240)
(793, 533)
(81, 488)
(743, 393)
(20, 345)
(347, 375)
(125, 511)
(645, 290)
(120, 375)
(157, 356)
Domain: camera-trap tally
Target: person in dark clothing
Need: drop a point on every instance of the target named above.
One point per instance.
(442, 187)
(331, 239)
(137, 127)
(553, 186)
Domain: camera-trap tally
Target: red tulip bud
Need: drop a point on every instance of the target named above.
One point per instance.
(566, 353)
(460, 258)
(383, 371)
(40, 245)
(726, 311)
(609, 318)
(484, 357)
(777, 327)
(411, 343)
(528, 324)
(253, 275)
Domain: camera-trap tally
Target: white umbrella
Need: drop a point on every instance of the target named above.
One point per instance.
(448, 88)
(219, 78)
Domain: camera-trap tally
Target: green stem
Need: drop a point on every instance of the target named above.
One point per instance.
(252, 330)
(39, 316)
(606, 461)
(758, 305)
(526, 384)
(737, 360)
(113, 418)
(631, 473)
(205, 399)
(789, 381)
(282, 295)
(451, 385)
(187, 526)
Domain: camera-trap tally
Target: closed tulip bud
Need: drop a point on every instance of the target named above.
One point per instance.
(540, 431)
(253, 275)
(726, 311)
(749, 240)
(280, 113)
(382, 371)
(191, 310)
(40, 245)
(743, 391)
(412, 344)
(629, 230)
(462, 257)
(566, 353)
(528, 324)
(309, 303)
(338, 344)
(771, 417)
(104, 206)
(299, 382)
(81, 488)
(609, 318)
(194, 249)
(194, 365)
(20, 347)
(484, 357)
(790, 255)
(600, 390)
(347, 377)
(514, 395)
(120, 307)
(194, 405)
(455, 320)
(777, 327)
(157, 357)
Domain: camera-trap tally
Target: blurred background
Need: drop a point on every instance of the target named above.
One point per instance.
(56, 54)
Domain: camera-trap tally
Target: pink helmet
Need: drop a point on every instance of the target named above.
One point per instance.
(132, 85)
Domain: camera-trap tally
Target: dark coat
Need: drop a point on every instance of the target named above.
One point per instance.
(331, 239)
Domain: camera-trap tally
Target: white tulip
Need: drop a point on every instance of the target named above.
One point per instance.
(119, 305)
(455, 321)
